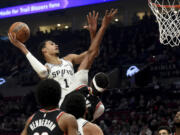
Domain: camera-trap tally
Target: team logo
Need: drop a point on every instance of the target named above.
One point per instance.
(2, 81)
(132, 71)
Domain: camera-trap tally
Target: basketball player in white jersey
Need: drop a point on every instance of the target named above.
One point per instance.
(62, 69)
(76, 105)
(59, 69)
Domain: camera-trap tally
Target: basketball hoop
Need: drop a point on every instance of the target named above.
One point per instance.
(167, 13)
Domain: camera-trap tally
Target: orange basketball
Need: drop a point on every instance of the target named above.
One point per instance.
(21, 30)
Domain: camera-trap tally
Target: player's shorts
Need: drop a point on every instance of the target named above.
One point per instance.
(80, 78)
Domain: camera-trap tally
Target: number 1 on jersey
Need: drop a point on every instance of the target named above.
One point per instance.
(67, 86)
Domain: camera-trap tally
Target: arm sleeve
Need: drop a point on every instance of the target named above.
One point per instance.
(40, 69)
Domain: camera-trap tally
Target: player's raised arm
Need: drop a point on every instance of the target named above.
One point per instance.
(92, 24)
(40, 69)
(92, 28)
(68, 124)
(94, 47)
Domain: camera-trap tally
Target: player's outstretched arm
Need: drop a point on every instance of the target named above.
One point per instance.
(40, 69)
(92, 24)
(92, 28)
(94, 47)
(177, 123)
(68, 124)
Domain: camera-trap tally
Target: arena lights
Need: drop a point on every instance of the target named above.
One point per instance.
(58, 25)
(132, 71)
(66, 27)
(116, 20)
(45, 7)
(2, 81)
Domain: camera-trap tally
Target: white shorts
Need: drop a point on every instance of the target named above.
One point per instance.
(80, 78)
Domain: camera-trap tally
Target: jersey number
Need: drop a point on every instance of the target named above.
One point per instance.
(67, 86)
(44, 133)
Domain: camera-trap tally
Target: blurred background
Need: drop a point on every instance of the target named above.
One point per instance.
(136, 104)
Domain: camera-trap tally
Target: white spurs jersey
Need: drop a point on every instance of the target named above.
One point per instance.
(62, 73)
(81, 123)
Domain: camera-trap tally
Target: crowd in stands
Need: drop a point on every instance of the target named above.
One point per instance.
(139, 111)
(12, 116)
(129, 111)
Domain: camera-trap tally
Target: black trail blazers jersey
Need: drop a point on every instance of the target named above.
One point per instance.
(44, 122)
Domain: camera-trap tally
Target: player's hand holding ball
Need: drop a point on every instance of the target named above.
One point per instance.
(18, 34)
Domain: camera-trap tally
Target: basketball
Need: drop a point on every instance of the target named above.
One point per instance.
(21, 30)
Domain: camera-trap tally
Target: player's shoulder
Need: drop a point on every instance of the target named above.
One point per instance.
(82, 122)
(66, 119)
(70, 57)
(48, 65)
(67, 61)
(28, 121)
(67, 116)
(93, 129)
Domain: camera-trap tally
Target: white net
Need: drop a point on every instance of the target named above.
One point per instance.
(167, 13)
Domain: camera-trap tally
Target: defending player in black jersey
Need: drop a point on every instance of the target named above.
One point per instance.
(50, 120)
